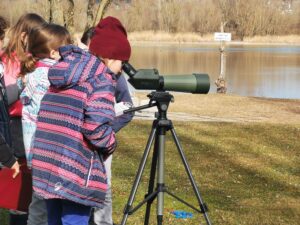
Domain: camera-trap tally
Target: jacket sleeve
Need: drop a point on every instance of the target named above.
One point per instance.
(6, 153)
(122, 95)
(99, 114)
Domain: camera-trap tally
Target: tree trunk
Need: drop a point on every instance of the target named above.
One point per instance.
(101, 10)
(90, 14)
(56, 12)
(62, 13)
(69, 16)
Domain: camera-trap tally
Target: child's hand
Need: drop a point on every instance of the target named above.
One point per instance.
(16, 168)
(121, 107)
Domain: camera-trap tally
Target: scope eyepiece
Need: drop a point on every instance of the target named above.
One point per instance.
(128, 69)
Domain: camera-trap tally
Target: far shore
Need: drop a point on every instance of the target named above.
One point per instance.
(163, 38)
(230, 108)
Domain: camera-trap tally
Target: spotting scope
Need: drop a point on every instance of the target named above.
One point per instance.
(149, 79)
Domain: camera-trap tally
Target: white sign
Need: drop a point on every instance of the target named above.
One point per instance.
(222, 36)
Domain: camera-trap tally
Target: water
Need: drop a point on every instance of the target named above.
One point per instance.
(263, 71)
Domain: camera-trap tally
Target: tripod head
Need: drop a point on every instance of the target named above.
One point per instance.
(161, 99)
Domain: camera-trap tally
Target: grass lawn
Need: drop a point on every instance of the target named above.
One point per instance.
(247, 173)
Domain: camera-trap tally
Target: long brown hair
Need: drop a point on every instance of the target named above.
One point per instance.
(3, 27)
(25, 24)
(40, 43)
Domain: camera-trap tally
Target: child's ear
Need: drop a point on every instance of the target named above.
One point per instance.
(24, 40)
(23, 36)
(54, 55)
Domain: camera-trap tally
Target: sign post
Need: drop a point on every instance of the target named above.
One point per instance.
(220, 82)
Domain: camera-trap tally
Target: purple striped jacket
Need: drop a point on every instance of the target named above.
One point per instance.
(74, 131)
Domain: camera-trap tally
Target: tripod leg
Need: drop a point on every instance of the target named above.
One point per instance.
(139, 175)
(151, 180)
(188, 170)
(161, 175)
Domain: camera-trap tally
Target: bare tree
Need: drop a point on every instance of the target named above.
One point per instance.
(56, 12)
(170, 16)
(90, 14)
(62, 12)
(101, 10)
(240, 17)
(93, 13)
(69, 15)
(225, 7)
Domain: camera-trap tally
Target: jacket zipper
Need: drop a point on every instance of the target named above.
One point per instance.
(90, 170)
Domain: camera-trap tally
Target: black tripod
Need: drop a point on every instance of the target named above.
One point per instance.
(160, 126)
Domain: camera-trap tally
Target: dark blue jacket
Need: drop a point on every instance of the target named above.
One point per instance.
(6, 151)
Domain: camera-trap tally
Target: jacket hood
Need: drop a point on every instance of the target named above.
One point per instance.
(74, 67)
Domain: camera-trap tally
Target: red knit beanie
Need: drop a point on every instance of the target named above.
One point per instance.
(110, 40)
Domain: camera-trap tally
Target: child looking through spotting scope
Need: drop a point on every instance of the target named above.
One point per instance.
(103, 216)
(74, 132)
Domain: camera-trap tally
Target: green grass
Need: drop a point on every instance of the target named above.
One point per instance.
(246, 173)
(3, 217)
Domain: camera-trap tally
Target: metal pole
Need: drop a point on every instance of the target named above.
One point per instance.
(189, 173)
(161, 177)
(139, 175)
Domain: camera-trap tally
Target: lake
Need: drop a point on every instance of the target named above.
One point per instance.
(263, 71)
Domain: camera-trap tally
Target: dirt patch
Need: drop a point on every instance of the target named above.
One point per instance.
(227, 108)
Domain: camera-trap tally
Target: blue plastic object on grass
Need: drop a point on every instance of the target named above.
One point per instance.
(179, 214)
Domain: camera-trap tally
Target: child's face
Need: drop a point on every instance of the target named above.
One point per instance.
(114, 65)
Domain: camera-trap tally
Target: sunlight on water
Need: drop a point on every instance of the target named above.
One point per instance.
(264, 71)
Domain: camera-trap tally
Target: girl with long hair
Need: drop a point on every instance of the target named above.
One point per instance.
(43, 44)
(13, 53)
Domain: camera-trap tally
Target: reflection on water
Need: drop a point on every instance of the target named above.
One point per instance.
(267, 71)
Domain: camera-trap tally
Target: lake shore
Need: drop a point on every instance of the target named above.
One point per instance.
(229, 108)
(163, 38)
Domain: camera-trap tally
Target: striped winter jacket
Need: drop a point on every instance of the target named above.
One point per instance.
(74, 130)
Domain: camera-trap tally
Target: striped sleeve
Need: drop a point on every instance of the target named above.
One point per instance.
(99, 114)
(37, 84)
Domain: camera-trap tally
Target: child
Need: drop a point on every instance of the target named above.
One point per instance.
(43, 44)
(74, 133)
(14, 51)
(7, 157)
(122, 96)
